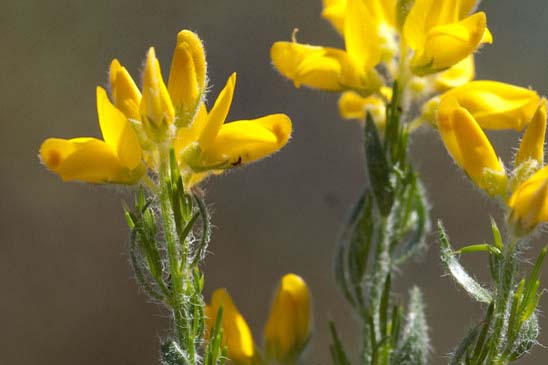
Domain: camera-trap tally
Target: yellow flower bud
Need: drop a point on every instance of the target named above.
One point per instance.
(187, 78)
(288, 328)
(532, 143)
(156, 109)
(125, 94)
(468, 145)
(529, 202)
(236, 333)
(496, 105)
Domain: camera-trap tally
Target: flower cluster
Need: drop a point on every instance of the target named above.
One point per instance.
(427, 44)
(286, 332)
(463, 115)
(138, 127)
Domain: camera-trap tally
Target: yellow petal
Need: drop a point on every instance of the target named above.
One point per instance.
(236, 333)
(118, 132)
(246, 141)
(190, 134)
(156, 104)
(333, 11)
(469, 146)
(288, 327)
(354, 106)
(529, 203)
(448, 44)
(125, 94)
(384, 11)
(425, 15)
(196, 48)
(496, 105)
(218, 113)
(321, 68)
(457, 75)
(86, 159)
(361, 36)
(187, 76)
(532, 143)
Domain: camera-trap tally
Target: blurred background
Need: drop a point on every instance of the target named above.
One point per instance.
(67, 291)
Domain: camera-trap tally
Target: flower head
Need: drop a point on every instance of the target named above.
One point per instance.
(139, 126)
(426, 45)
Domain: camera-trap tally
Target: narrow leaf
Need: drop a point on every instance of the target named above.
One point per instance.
(378, 168)
(453, 266)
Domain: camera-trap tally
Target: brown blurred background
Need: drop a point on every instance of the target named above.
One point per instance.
(68, 296)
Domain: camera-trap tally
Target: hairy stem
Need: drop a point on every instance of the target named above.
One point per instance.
(169, 226)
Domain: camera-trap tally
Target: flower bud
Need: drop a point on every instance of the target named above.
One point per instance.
(470, 148)
(187, 78)
(156, 109)
(288, 328)
(236, 333)
(532, 143)
(529, 202)
(125, 94)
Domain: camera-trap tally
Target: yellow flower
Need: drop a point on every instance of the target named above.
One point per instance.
(468, 145)
(354, 106)
(162, 106)
(236, 333)
(496, 105)
(532, 143)
(116, 159)
(529, 202)
(288, 327)
(210, 144)
(333, 69)
(442, 33)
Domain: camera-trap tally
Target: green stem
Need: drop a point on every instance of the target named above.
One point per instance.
(381, 270)
(176, 300)
(503, 297)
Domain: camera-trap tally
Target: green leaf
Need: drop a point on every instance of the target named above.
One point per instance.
(171, 354)
(527, 338)
(340, 274)
(482, 247)
(385, 298)
(480, 350)
(205, 235)
(453, 266)
(378, 168)
(461, 351)
(414, 347)
(497, 237)
(338, 355)
(418, 223)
